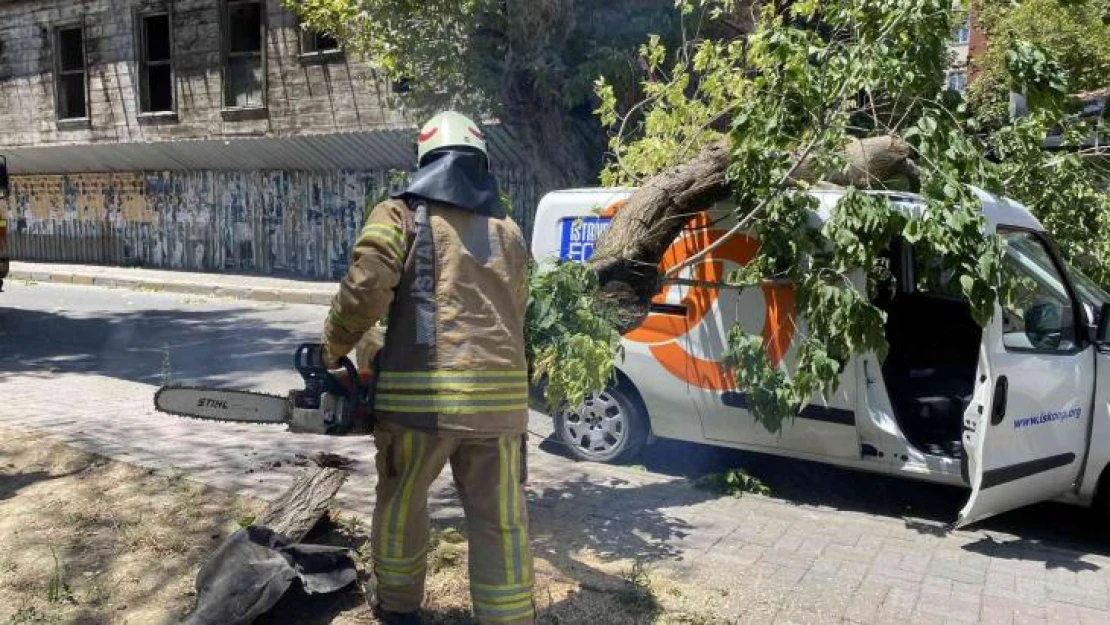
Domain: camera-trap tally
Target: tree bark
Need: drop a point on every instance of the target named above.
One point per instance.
(627, 257)
(298, 509)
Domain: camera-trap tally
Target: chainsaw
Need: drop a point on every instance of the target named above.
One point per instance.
(332, 402)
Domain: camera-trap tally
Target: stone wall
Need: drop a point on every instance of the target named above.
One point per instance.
(303, 96)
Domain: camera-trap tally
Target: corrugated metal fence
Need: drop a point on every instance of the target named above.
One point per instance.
(273, 223)
(79, 242)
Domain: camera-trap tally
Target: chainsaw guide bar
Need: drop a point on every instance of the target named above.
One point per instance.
(224, 405)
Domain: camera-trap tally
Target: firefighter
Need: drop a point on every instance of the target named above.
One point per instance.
(448, 267)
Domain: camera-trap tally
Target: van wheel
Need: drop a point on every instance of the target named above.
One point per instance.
(610, 426)
(1101, 504)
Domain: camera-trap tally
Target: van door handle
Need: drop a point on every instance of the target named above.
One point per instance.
(998, 409)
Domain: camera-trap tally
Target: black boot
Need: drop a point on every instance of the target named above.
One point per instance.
(397, 618)
(385, 616)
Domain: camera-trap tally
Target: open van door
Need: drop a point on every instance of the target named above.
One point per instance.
(1028, 425)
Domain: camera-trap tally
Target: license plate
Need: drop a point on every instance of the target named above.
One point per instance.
(579, 234)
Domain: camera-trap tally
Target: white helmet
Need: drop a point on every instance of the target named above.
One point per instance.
(449, 129)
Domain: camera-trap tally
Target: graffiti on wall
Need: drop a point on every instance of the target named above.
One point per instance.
(271, 222)
(295, 223)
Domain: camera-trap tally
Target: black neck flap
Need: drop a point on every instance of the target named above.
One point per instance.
(457, 177)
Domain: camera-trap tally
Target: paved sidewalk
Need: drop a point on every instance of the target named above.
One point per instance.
(257, 288)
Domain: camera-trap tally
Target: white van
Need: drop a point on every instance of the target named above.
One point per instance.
(1019, 410)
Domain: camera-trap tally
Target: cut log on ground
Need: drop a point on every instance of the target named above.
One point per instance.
(297, 510)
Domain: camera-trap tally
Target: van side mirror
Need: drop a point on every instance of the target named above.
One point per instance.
(1102, 335)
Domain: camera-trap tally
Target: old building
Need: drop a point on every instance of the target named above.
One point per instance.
(960, 50)
(195, 134)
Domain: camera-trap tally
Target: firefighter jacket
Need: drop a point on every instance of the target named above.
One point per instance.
(454, 285)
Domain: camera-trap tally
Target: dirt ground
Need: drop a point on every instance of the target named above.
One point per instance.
(87, 540)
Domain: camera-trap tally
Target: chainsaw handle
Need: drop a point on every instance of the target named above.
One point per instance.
(309, 362)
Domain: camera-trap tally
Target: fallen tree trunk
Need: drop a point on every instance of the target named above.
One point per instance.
(627, 257)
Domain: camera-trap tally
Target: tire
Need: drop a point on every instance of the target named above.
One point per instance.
(610, 427)
(1101, 505)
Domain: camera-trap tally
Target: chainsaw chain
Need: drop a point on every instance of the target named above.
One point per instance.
(194, 417)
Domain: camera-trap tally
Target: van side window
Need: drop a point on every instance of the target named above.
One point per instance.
(1041, 316)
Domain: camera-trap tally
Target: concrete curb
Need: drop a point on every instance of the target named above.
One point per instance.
(320, 297)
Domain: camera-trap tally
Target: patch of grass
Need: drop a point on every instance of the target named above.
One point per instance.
(27, 615)
(447, 547)
(151, 536)
(57, 590)
(636, 592)
(734, 482)
(167, 372)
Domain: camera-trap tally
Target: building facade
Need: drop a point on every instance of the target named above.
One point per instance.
(214, 135)
(960, 50)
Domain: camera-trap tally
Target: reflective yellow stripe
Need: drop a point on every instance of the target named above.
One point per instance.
(386, 234)
(389, 521)
(503, 502)
(410, 375)
(394, 579)
(401, 570)
(403, 565)
(346, 323)
(521, 554)
(406, 490)
(402, 561)
(458, 398)
(387, 230)
(525, 602)
(522, 595)
(450, 385)
(451, 410)
(495, 589)
(505, 613)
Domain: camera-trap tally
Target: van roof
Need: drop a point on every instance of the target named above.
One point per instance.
(997, 210)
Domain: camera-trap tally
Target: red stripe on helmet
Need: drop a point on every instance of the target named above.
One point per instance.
(424, 136)
(474, 132)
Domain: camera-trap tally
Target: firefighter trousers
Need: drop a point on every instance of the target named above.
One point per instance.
(489, 474)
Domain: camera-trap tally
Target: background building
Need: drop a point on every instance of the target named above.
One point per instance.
(196, 134)
(963, 48)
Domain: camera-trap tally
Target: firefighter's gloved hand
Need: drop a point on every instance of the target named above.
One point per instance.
(329, 358)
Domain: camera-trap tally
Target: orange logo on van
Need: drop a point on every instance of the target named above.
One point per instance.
(668, 335)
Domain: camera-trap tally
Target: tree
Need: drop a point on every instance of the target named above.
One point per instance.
(1073, 34)
(843, 92)
(1049, 51)
(846, 92)
(531, 65)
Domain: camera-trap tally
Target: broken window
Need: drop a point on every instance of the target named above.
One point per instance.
(244, 56)
(70, 73)
(155, 64)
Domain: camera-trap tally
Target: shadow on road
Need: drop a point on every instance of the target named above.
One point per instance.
(1030, 551)
(215, 347)
(925, 508)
